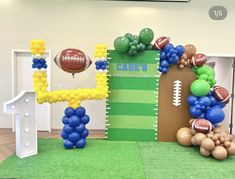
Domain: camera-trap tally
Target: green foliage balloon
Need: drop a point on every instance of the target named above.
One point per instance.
(206, 73)
(121, 44)
(200, 88)
(146, 36)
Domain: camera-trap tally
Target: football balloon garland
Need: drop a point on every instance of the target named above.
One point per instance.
(73, 61)
(206, 101)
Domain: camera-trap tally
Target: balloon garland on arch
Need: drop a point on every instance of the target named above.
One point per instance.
(206, 101)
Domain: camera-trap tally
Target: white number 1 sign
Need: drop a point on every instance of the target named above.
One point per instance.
(23, 107)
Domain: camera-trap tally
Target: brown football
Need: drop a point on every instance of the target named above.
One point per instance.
(198, 60)
(161, 42)
(201, 125)
(221, 94)
(72, 60)
(173, 113)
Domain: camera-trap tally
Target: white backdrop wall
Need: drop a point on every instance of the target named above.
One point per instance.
(83, 24)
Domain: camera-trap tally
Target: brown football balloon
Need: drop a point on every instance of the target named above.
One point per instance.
(221, 94)
(72, 60)
(161, 42)
(198, 60)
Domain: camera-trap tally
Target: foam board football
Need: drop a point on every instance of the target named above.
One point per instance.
(72, 60)
(201, 125)
(173, 113)
(221, 94)
(198, 60)
(161, 42)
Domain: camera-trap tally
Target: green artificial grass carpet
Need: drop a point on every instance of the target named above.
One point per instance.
(116, 159)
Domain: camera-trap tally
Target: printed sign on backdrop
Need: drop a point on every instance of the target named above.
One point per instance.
(132, 104)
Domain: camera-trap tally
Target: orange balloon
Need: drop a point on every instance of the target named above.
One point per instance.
(184, 136)
(190, 50)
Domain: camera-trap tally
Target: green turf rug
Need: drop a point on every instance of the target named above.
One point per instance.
(170, 160)
(100, 159)
(116, 159)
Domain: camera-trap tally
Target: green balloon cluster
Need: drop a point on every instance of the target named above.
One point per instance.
(200, 88)
(132, 44)
(206, 73)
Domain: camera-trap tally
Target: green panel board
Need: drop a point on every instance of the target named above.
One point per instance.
(131, 134)
(134, 109)
(133, 83)
(132, 122)
(132, 103)
(132, 96)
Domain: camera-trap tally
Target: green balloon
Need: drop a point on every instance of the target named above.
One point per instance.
(200, 88)
(146, 36)
(205, 69)
(128, 35)
(203, 77)
(121, 44)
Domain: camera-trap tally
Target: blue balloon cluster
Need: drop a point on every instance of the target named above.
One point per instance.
(206, 107)
(74, 131)
(39, 63)
(170, 55)
(101, 65)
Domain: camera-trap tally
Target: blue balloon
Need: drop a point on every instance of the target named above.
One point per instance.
(210, 94)
(205, 101)
(194, 112)
(68, 144)
(180, 50)
(33, 65)
(162, 55)
(221, 104)
(172, 52)
(164, 64)
(85, 133)
(213, 101)
(35, 61)
(191, 100)
(202, 116)
(198, 107)
(38, 66)
(64, 135)
(74, 121)
(65, 120)
(160, 69)
(173, 60)
(42, 61)
(168, 47)
(80, 128)
(168, 55)
(67, 129)
(69, 112)
(74, 137)
(81, 143)
(85, 119)
(103, 67)
(164, 70)
(80, 112)
(45, 66)
(215, 115)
